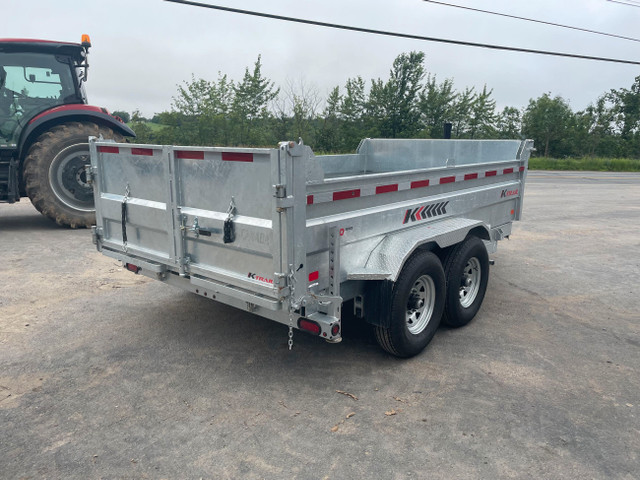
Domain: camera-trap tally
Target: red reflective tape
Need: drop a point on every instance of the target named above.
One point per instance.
(237, 157)
(142, 151)
(103, 149)
(471, 176)
(491, 173)
(189, 155)
(346, 194)
(420, 184)
(447, 180)
(313, 276)
(309, 199)
(522, 169)
(387, 188)
(507, 170)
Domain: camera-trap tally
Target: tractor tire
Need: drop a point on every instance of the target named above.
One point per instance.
(467, 273)
(416, 307)
(55, 177)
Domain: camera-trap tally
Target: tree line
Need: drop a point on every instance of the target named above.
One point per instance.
(410, 103)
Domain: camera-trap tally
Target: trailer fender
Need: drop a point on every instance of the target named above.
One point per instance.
(389, 256)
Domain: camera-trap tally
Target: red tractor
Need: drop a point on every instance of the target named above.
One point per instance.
(45, 122)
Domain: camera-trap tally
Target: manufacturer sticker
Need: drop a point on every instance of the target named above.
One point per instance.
(255, 276)
(425, 211)
(508, 193)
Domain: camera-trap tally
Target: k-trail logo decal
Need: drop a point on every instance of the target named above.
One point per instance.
(508, 193)
(425, 211)
(254, 276)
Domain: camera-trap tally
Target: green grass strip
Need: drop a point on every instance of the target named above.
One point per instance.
(586, 163)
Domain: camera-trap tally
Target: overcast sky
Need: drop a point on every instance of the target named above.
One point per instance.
(143, 48)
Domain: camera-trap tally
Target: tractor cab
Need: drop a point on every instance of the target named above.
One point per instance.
(36, 75)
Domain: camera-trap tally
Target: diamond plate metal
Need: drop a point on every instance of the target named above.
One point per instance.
(391, 254)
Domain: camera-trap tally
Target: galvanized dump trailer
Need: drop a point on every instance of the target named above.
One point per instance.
(403, 227)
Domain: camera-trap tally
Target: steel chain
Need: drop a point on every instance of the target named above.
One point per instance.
(292, 280)
(290, 342)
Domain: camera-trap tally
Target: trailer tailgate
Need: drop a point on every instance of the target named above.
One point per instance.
(169, 205)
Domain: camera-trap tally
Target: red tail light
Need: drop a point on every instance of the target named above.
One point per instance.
(132, 268)
(335, 329)
(309, 326)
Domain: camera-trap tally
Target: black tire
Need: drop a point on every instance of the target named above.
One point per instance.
(413, 325)
(466, 262)
(54, 175)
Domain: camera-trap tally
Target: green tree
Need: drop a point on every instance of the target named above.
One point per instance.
(329, 139)
(461, 112)
(250, 107)
(436, 105)
(126, 118)
(394, 104)
(482, 116)
(546, 120)
(509, 123)
(626, 108)
(352, 113)
(201, 111)
(139, 126)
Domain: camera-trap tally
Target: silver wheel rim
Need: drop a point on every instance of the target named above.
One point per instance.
(422, 300)
(68, 179)
(470, 282)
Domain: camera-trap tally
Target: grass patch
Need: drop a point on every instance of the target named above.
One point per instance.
(154, 127)
(586, 163)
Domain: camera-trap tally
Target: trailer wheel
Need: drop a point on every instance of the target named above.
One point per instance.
(467, 272)
(416, 306)
(54, 174)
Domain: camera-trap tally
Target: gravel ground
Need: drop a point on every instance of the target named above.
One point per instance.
(105, 374)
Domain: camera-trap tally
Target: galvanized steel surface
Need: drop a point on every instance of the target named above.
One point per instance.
(381, 204)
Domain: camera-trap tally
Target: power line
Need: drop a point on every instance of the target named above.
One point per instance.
(401, 35)
(534, 20)
(629, 3)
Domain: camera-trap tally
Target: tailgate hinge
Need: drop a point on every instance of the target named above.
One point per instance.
(91, 172)
(97, 234)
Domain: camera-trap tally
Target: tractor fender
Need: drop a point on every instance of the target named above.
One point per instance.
(68, 113)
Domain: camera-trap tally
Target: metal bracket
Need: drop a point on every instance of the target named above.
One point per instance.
(97, 234)
(183, 259)
(358, 306)
(251, 307)
(284, 202)
(91, 172)
(279, 191)
(204, 231)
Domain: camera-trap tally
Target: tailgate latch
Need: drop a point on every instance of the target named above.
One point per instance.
(229, 233)
(125, 199)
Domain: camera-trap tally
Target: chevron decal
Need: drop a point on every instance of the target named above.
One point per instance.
(425, 211)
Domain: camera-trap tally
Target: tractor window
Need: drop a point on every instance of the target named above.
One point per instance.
(34, 82)
(29, 84)
(37, 76)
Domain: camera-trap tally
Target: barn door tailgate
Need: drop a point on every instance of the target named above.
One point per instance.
(206, 213)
